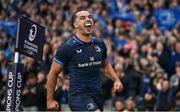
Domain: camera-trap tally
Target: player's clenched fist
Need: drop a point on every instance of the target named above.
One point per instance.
(118, 86)
(52, 105)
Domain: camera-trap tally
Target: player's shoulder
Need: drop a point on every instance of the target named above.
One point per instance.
(97, 40)
(68, 43)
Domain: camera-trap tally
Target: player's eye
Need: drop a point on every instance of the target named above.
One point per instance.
(82, 17)
(90, 17)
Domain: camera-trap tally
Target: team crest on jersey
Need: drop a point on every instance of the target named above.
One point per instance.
(98, 49)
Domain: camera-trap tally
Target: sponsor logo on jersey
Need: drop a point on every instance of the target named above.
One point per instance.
(79, 51)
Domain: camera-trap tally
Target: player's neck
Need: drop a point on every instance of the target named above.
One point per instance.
(84, 38)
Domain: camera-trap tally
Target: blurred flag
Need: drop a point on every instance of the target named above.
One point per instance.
(9, 27)
(166, 18)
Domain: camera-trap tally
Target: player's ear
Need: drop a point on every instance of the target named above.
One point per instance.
(75, 24)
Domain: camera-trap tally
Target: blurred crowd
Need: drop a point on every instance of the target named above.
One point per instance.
(143, 45)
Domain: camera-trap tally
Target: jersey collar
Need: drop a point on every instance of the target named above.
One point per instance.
(80, 41)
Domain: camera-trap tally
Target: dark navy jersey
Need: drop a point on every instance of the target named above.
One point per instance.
(83, 62)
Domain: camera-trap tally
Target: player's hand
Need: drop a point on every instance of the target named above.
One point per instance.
(52, 105)
(118, 86)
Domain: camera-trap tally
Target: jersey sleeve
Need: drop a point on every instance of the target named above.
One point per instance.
(62, 55)
(105, 51)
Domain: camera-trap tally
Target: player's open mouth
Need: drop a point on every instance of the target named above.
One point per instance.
(88, 25)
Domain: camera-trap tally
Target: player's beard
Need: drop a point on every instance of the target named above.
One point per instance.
(86, 31)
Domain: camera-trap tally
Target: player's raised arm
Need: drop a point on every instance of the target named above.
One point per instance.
(56, 68)
(109, 72)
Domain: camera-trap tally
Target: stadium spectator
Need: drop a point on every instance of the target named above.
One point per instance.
(30, 92)
(119, 105)
(163, 101)
(130, 104)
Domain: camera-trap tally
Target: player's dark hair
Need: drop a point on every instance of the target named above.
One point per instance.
(74, 15)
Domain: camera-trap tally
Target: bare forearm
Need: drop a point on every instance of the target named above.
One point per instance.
(51, 83)
(52, 80)
(109, 72)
